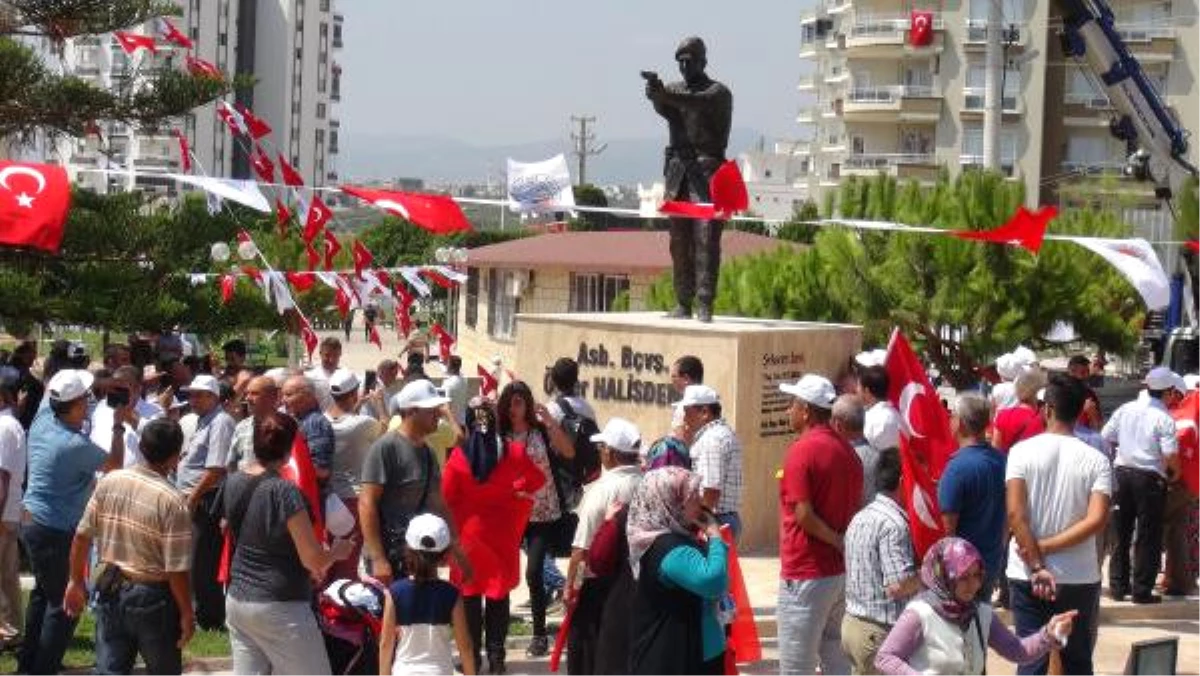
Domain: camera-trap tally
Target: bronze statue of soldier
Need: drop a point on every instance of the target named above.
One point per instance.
(699, 112)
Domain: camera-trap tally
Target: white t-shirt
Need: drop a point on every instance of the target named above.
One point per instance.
(13, 455)
(102, 424)
(616, 485)
(1144, 433)
(881, 426)
(1060, 474)
(455, 387)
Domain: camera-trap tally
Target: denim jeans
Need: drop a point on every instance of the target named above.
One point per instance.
(139, 619)
(1031, 614)
(48, 629)
(810, 625)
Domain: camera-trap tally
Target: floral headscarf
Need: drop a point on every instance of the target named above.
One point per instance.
(946, 562)
(657, 509)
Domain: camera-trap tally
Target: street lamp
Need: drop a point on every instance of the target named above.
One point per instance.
(450, 255)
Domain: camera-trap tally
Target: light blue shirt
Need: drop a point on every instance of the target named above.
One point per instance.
(62, 470)
(207, 448)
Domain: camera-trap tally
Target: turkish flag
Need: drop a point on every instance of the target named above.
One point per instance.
(314, 256)
(185, 152)
(362, 258)
(131, 42)
(202, 68)
(445, 341)
(283, 216)
(257, 126)
(920, 28)
(487, 384)
(699, 210)
(308, 336)
(1193, 245)
(1187, 428)
(373, 337)
(435, 213)
(403, 308)
(925, 440)
(743, 645)
(318, 216)
(173, 35)
(1024, 229)
(728, 190)
(332, 247)
(290, 175)
(301, 281)
(384, 278)
(263, 167)
(228, 284)
(34, 200)
(437, 278)
(300, 471)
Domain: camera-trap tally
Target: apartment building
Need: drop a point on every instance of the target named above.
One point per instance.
(874, 102)
(287, 46)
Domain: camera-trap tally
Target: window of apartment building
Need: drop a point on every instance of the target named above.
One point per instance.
(858, 145)
(320, 111)
(596, 293)
(974, 91)
(1013, 11)
(472, 298)
(972, 148)
(324, 5)
(504, 301)
(299, 53)
(1088, 151)
(333, 142)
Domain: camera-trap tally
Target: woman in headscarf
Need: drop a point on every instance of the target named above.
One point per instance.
(681, 575)
(944, 630)
(488, 488)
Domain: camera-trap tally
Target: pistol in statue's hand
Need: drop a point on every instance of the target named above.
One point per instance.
(653, 83)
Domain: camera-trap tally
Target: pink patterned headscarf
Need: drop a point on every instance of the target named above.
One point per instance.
(657, 509)
(946, 562)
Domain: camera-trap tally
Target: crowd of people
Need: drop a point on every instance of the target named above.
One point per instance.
(166, 492)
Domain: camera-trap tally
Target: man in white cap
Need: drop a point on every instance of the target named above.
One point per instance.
(881, 425)
(353, 434)
(1146, 460)
(61, 470)
(620, 445)
(401, 478)
(200, 472)
(716, 454)
(820, 492)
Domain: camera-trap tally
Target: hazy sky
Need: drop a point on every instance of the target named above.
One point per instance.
(500, 71)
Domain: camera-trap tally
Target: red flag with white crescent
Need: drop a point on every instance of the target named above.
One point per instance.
(332, 247)
(173, 35)
(132, 42)
(445, 341)
(362, 257)
(290, 175)
(202, 68)
(228, 284)
(1024, 229)
(255, 125)
(487, 384)
(34, 200)
(264, 168)
(436, 213)
(308, 336)
(301, 281)
(232, 119)
(926, 443)
(185, 152)
(314, 256)
(301, 471)
(318, 217)
(283, 216)
(920, 28)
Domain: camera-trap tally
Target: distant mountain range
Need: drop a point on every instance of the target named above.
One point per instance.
(439, 159)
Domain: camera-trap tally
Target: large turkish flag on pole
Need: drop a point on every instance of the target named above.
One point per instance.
(34, 199)
(925, 440)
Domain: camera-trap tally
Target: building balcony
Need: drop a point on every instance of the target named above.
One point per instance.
(905, 166)
(807, 83)
(1086, 109)
(892, 102)
(1008, 165)
(807, 115)
(835, 7)
(975, 36)
(973, 100)
(1094, 167)
(1150, 44)
(882, 37)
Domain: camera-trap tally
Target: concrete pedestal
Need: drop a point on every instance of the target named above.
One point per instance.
(624, 365)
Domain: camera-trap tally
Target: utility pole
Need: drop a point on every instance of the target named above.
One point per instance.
(583, 144)
(993, 83)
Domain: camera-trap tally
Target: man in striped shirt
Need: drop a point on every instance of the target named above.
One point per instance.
(142, 530)
(880, 570)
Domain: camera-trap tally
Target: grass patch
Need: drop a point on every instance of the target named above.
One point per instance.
(81, 652)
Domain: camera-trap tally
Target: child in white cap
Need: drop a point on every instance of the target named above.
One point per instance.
(420, 612)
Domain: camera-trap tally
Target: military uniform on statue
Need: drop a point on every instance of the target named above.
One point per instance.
(699, 113)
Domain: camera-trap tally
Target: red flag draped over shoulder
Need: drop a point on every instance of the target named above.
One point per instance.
(1187, 427)
(925, 440)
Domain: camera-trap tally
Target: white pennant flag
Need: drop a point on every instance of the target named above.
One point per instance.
(538, 187)
(235, 190)
(278, 288)
(1136, 260)
(415, 281)
(450, 273)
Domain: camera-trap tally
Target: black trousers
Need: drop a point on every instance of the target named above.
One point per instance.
(48, 628)
(538, 539)
(695, 259)
(207, 542)
(490, 617)
(1140, 502)
(139, 619)
(583, 643)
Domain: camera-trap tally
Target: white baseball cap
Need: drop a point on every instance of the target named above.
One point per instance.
(813, 389)
(698, 395)
(1163, 378)
(620, 435)
(427, 533)
(204, 383)
(343, 381)
(871, 358)
(69, 384)
(418, 394)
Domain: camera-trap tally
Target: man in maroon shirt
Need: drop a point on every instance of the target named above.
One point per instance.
(820, 491)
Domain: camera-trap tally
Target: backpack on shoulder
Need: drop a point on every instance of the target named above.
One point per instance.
(586, 464)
